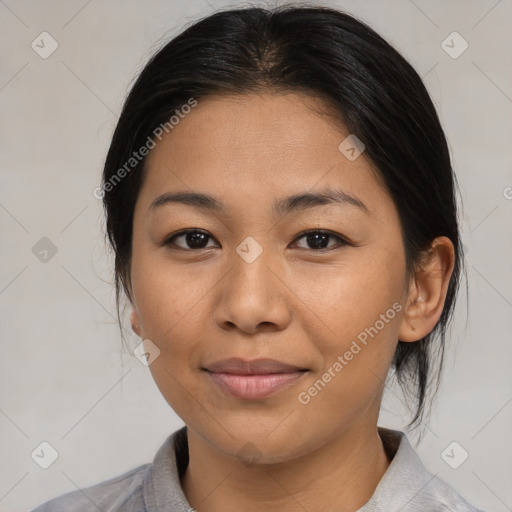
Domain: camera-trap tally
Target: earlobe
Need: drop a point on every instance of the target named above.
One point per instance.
(408, 330)
(427, 291)
(134, 320)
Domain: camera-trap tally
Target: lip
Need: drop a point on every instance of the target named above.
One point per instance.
(254, 379)
(238, 366)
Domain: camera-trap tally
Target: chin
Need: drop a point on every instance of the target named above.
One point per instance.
(258, 446)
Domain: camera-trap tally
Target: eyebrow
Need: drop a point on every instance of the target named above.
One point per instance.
(281, 207)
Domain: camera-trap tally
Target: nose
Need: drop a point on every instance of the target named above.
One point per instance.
(254, 296)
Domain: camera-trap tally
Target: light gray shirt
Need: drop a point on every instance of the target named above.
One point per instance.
(406, 486)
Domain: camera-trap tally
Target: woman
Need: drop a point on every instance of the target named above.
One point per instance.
(281, 203)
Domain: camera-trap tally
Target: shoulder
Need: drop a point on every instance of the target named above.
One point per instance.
(119, 494)
(136, 490)
(438, 496)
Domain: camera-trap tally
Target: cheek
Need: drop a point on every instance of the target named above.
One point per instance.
(352, 296)
(170, 301)
(171, 307)
(355, 367)
(357, 313)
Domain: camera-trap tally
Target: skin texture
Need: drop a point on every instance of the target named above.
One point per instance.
(296, 302)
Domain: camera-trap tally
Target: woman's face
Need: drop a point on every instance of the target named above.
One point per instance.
(248, 284)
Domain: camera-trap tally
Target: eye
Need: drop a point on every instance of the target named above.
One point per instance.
(193, 239)
(318, 239)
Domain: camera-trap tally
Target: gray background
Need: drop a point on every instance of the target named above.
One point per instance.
(64, 378)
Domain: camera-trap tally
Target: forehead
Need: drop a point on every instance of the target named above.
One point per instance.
(258, 144)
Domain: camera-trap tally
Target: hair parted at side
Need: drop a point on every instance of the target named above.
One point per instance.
(370, 87)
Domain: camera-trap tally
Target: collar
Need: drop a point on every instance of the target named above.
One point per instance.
(400, 487)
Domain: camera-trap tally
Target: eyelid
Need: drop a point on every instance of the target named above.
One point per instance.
(343, 241)
(168, 239)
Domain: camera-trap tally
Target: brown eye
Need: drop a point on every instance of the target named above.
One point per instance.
(319, 239)
(191, 239)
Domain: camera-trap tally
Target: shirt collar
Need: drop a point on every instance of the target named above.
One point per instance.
(162, 487)
(404, 480)
(401, 485)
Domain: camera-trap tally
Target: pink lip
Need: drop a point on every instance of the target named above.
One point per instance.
(254, 379)
(254, 386)
(238, 366)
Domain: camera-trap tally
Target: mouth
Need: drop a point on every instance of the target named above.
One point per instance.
(255, 379)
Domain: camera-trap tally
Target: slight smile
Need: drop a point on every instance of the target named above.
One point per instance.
(255, 379)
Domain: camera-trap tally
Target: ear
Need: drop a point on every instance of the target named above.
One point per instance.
(427, 290)
(134, 320)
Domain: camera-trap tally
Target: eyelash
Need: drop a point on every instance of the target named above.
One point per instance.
(341, 240)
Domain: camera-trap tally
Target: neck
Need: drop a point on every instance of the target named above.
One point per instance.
(340, 475)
